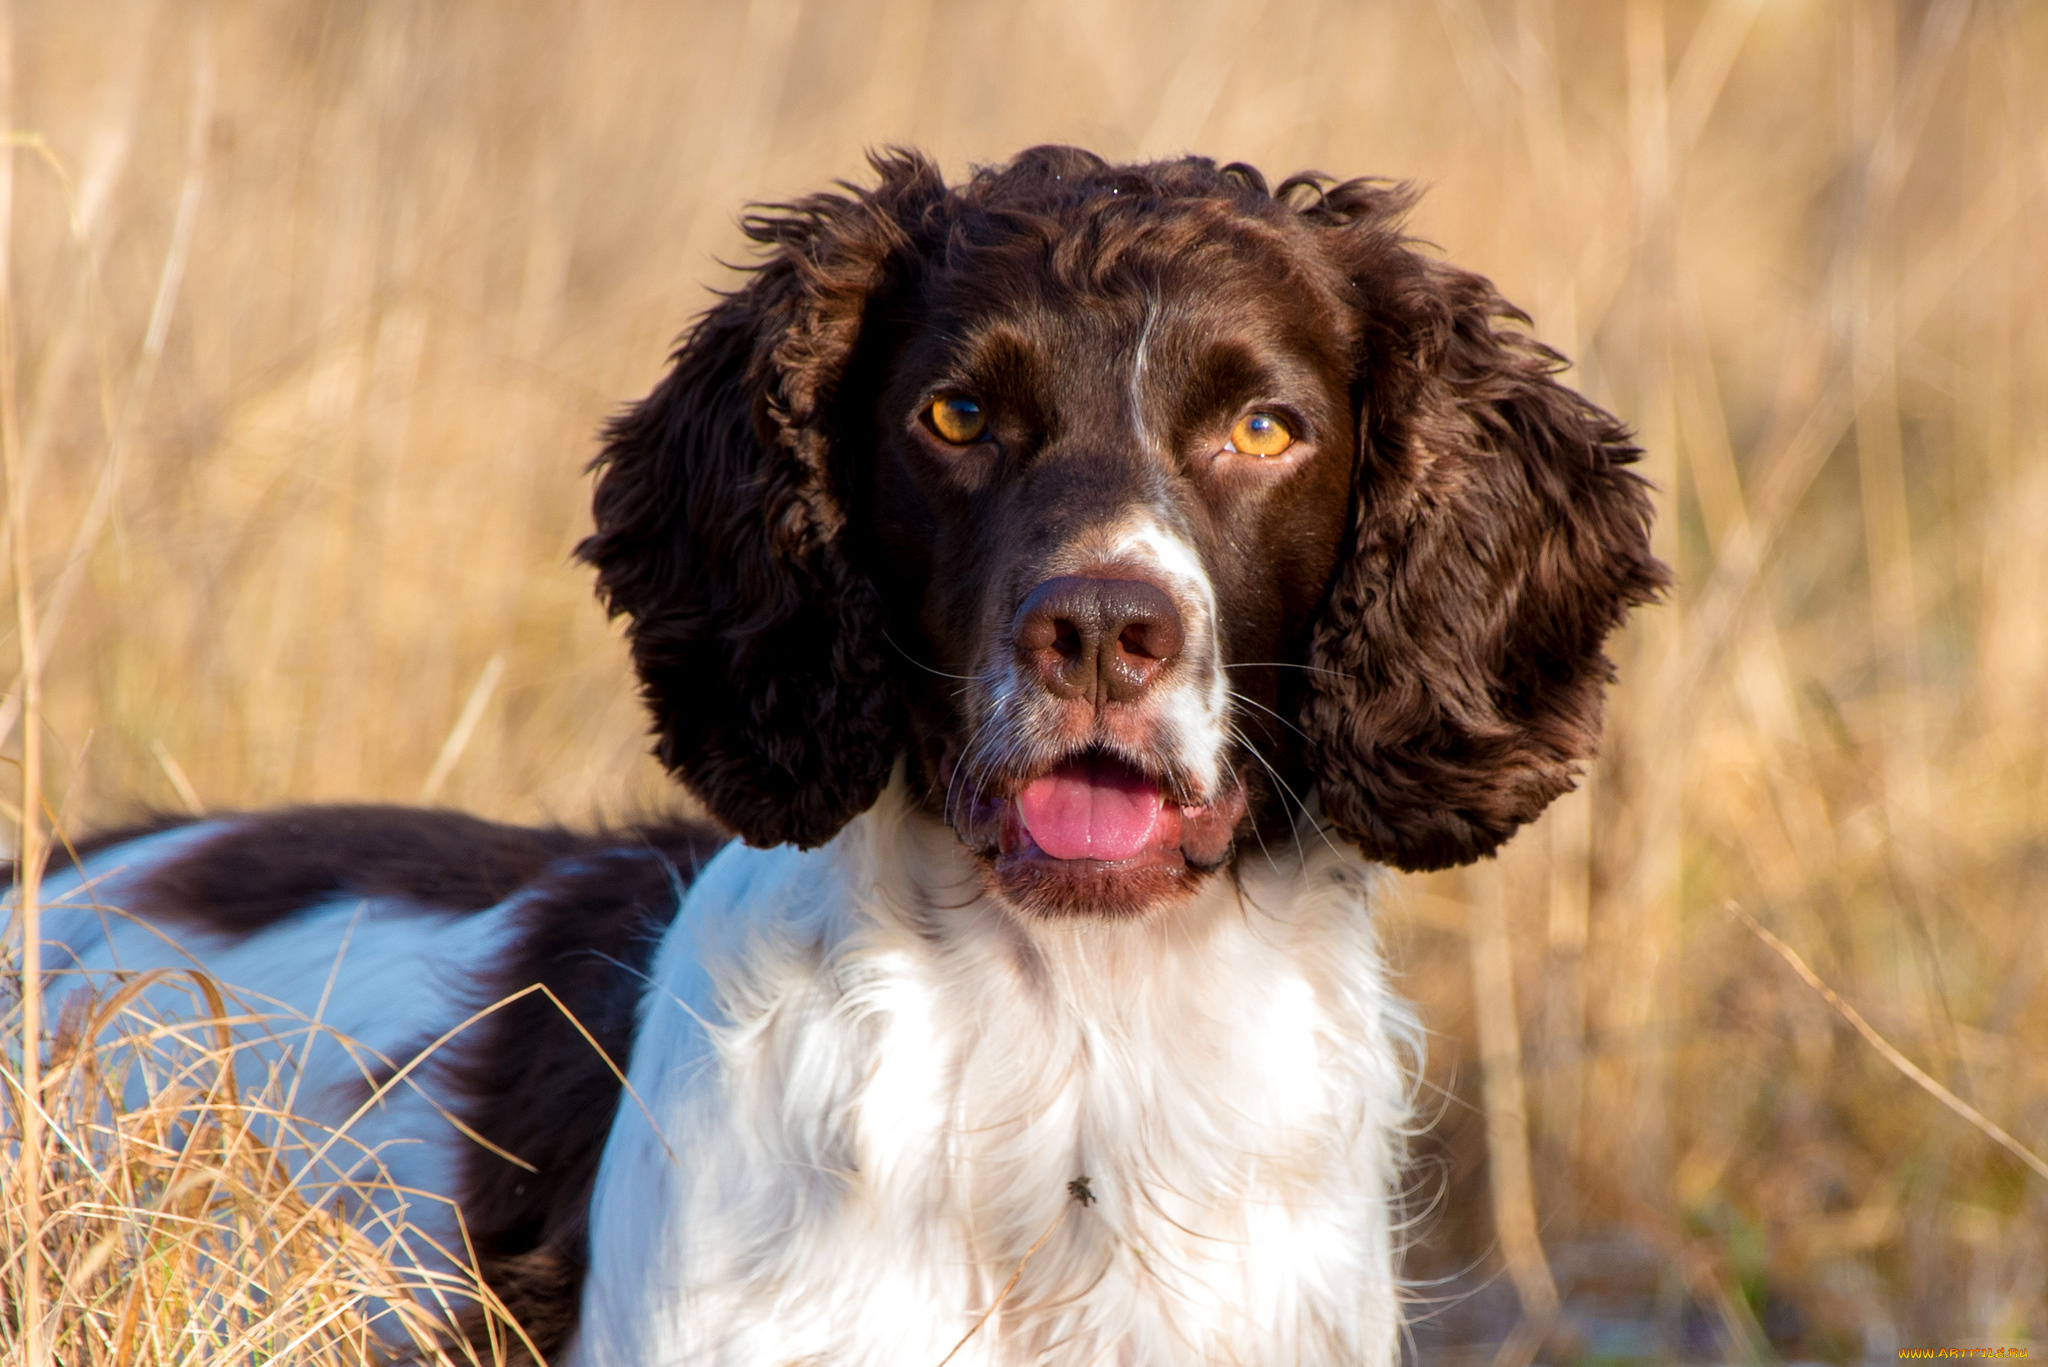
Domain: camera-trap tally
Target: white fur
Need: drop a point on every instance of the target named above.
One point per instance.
(338, 994)
(867, 1088)
(1140, 356)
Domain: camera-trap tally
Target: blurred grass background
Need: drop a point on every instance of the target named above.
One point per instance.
(314, 308)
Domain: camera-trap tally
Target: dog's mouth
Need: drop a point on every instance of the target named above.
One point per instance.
(1095, 835)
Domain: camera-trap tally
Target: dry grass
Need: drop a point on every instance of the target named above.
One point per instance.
(171, 1231)
(312, 310)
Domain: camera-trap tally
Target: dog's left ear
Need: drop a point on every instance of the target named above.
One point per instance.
(1498, 536)
(720, 529)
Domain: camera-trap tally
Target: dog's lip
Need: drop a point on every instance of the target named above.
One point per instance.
(1187, 831)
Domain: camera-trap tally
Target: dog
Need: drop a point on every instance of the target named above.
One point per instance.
(1073, 587)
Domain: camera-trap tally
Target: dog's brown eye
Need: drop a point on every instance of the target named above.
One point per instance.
(1261, 434)
(958, 419)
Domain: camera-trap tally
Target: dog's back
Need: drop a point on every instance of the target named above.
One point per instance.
(406, 983)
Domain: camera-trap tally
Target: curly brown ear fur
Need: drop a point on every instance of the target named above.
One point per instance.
(719, 530)
(1456, 675)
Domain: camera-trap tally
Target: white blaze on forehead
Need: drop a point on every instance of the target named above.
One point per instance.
(1139, 357)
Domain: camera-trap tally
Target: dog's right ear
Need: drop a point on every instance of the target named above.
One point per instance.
(1499, 536)
(719, 530)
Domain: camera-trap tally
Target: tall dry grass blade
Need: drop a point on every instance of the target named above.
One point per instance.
(1568, 834)
(1984, 1123)
(1507, 1118)
(152, 1231)
(1075, 1197)
(1703, 71)
(480, 695)
(1880, 453)
(1643, 1107)
(28, 848)
(404, 1072)
(181, 783)
(170, 282)
(101, 173)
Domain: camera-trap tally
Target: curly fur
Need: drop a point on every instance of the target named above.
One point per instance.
(719, 532)
(1498, 538)
(1455, 671)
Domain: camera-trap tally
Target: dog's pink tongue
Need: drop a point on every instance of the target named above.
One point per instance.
(1091, 808)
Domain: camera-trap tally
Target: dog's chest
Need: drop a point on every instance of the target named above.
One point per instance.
(1138, 1149)
(1161, 1181)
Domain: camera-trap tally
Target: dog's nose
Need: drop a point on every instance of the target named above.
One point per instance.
(1100, 639)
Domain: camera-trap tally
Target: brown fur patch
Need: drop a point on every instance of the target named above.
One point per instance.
(532, 1084)
(71, 854)
(264, 867)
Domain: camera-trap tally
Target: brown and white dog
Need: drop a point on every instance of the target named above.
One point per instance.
(1071, 585)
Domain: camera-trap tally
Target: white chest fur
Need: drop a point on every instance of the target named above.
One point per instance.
(864, 1091)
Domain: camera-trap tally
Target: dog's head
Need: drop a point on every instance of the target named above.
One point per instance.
(1130, 503)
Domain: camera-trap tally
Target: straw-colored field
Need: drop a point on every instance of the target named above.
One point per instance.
(309, 312)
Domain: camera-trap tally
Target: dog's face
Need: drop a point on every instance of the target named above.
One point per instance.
(1130, 504)
(1101, 511)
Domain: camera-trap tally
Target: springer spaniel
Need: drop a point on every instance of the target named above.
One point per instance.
(1071, 586)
